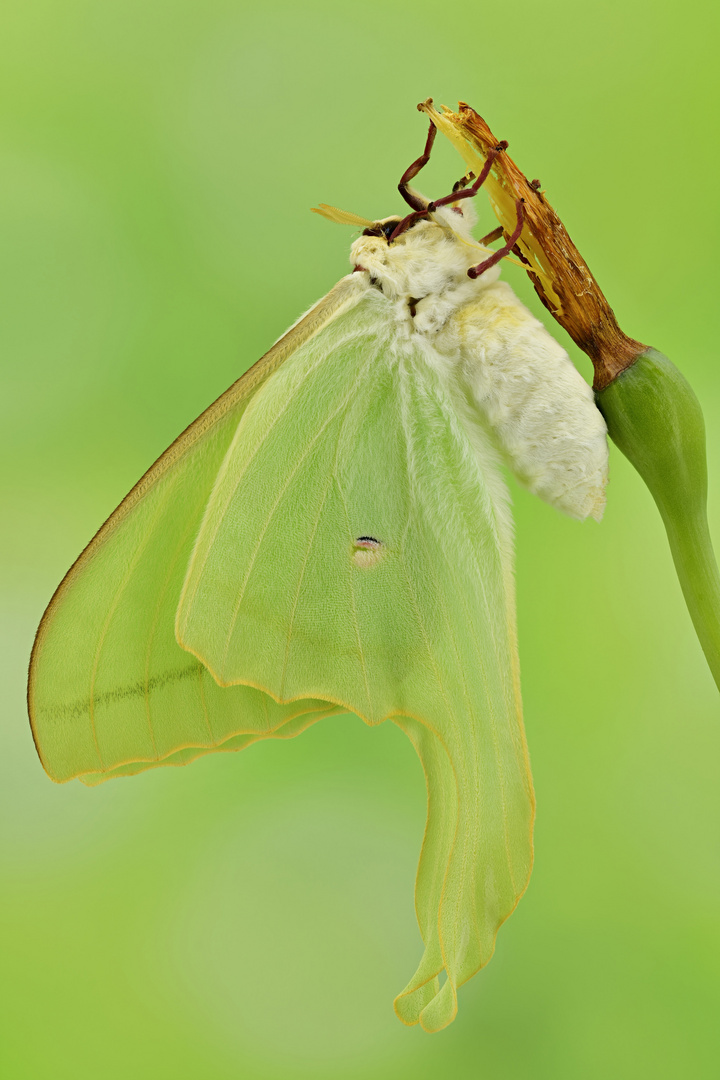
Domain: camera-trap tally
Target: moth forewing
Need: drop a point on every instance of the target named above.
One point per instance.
(105, 656)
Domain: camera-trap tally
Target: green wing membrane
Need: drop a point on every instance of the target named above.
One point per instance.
(110, 690)
(357, 438)
(325, 538)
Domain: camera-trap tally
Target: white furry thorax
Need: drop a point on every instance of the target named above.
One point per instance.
(507, 374)
(429, 259)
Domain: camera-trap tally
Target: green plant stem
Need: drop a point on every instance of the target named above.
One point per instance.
(697, 571)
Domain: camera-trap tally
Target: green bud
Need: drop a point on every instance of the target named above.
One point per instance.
(654, 417)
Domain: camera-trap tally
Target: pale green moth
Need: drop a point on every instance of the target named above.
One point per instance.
(333, 535)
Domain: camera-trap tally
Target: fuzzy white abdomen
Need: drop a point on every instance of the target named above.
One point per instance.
(539, 408)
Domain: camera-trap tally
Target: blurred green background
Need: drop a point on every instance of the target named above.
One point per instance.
(252, 915)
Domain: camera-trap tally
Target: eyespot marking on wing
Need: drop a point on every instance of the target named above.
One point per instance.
(367, 551)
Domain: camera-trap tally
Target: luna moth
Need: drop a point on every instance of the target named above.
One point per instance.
(334, 535)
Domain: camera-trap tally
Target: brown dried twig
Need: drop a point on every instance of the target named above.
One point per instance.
(560, 275)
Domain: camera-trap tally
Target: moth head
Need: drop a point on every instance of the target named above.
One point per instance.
(420, 255)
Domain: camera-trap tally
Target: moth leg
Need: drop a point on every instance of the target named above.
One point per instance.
(470, 192)
(476, 271)
(411, 197)
(491, 237)
(458, 192)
